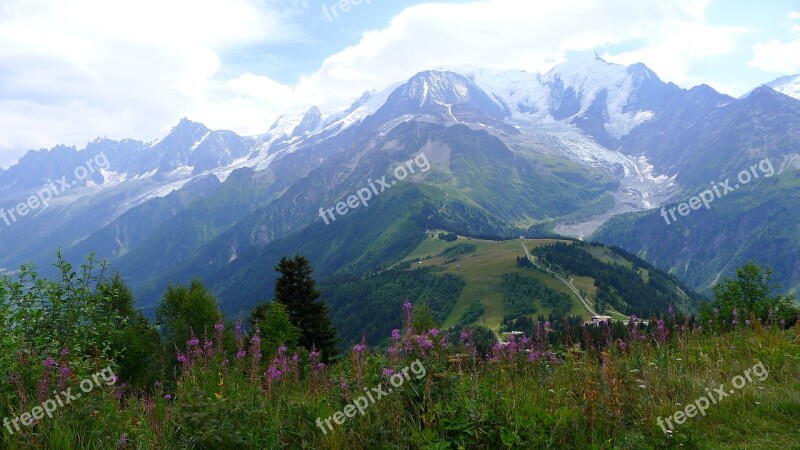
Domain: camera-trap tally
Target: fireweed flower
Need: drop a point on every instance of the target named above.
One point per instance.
(662, 331)
(219, 326)
(388, 372)
(395, 335)
(63, 376)
(65, 351)
(408, 313)
(193, 342)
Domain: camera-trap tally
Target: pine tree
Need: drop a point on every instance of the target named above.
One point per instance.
(296, 290)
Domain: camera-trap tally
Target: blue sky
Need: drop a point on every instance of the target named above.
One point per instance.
(74, 70)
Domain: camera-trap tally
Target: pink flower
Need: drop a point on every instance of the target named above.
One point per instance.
(219, 326)
(273, 373)
(395, 335)
(388, 372)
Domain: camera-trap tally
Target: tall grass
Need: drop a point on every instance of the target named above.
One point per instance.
(521, 394)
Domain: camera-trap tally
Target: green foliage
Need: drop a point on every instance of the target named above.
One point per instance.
(619, 285)
(297, 291)
(44, 316)
(474, 312)
(138, 344)
(749, 293)
(758, 222)
(186, 311)
(448, 237)
(275, 326)
(459, 249)
(423, 318)
(368, 306)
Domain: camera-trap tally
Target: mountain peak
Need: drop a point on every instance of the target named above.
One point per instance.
(186, 126)
(788, 85)
(435, 86)
(297, 123)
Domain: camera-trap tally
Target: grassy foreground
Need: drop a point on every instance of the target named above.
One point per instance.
(606, 394)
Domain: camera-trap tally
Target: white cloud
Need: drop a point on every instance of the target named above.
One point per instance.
(672, 49)
(522, 34)
(74, 70)
(130, 69)
(777, 56)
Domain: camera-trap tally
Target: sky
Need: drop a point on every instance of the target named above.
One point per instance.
(75, 70)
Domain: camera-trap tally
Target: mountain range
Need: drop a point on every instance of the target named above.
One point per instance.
(589, 149)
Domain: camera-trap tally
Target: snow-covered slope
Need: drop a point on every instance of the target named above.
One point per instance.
(604, 100)
(789, 85)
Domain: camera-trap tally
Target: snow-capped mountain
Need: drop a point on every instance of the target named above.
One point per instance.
(604, 100)
(586, 126)
(788, 85)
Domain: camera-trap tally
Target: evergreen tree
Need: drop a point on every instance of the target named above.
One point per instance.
(296, 290)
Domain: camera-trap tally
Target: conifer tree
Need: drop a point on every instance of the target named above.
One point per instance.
(296, 290)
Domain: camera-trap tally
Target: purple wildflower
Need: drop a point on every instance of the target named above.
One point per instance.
(273, 373)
